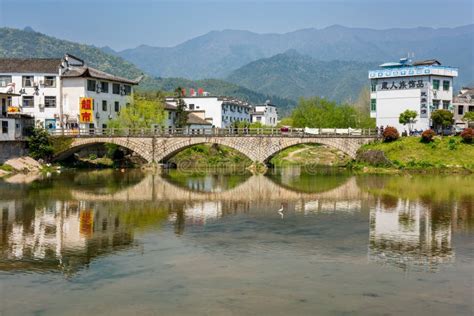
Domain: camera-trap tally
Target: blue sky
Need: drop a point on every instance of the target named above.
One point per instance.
(125, 24)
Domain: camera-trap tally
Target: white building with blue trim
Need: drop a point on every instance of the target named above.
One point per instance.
(422, 86)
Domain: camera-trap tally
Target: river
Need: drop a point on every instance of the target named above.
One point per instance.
(288, 243)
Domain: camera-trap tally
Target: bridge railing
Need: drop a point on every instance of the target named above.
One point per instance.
(220, 132)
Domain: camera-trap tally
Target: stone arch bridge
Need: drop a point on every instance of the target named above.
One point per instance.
(258, 148)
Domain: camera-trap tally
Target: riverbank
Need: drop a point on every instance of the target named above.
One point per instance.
(447, 154)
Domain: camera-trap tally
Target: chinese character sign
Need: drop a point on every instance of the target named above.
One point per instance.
(424, 103)
(86, 110)
(402, 84)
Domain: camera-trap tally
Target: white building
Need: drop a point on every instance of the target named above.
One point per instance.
(463, 103)
(13, 125)
(51, 90)
(196, 120)
(221, 112)
(267, 114)
(422, 86)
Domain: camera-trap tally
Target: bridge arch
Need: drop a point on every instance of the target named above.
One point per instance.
(347, 145)
(138, 146)
(170, 149)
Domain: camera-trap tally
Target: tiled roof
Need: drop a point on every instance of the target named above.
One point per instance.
(194, 119)
(30, 65)
(427, 62)
(90, 72)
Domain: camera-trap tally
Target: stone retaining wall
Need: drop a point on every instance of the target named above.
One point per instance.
(12, 149)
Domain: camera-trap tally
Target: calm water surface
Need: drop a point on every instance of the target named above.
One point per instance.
(284, 244)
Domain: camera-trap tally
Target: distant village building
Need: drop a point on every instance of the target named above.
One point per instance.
(14, 125)
(463, 103)
(267, 114)
(221, 112)
(64, 92)
(196, 120)
(422, 86)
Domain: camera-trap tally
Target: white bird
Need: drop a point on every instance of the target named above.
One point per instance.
(280, 211)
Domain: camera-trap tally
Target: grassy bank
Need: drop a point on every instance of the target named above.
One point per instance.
(207, 155)
(409, 153)
(310, 154)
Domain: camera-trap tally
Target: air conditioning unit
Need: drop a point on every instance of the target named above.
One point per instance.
(110, 116)
(41, 105)
(41, 82)
(97, 88)
(122, 90)
(97, 115)
(35, 84)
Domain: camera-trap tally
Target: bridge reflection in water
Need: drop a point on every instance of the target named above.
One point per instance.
(64, 228)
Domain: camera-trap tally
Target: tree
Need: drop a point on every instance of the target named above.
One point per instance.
(321, 113)
(181, 113)
(143, 112)
(469, 118)
(39, 144)
(442, 118)
(408, 117)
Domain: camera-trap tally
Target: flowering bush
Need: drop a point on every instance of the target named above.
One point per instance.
(427, 136)
(467, 135)
(390, 134)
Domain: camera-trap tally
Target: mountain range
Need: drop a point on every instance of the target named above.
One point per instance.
(330, 62)
(218, 53)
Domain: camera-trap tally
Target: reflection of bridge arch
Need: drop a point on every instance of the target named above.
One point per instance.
(257, 148)
(256, 188)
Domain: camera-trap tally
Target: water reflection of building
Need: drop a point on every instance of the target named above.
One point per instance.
(409, 235)
(58, 236)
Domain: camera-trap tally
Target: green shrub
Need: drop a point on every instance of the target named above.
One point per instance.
(390, 134)
(6, 168)
(39, 144)
(92, 157)
(452, 144)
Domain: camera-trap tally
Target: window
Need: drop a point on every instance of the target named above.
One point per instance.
(104, 125)
(104, 105)
(5, 80)
(4, 127)
(191, 106)
(117, 106)
(460, 109)
(127, 89)
(28, 102)
(373, 105)
(436, 84)
(90, 85)
(50, 81)
(49, 102)
(104, 86)
(436, 104)
(446, 85)
(27, 81)
(446, 104)
(471, 108)
(115, 88)
(373, 85)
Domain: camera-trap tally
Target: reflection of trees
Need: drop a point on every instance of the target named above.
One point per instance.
(213, 182)
(298, 180)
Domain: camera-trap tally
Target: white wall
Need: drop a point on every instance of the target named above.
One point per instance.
(72, 90)
(390, 103)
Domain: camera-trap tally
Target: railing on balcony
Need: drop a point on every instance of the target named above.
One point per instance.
(219, 132)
